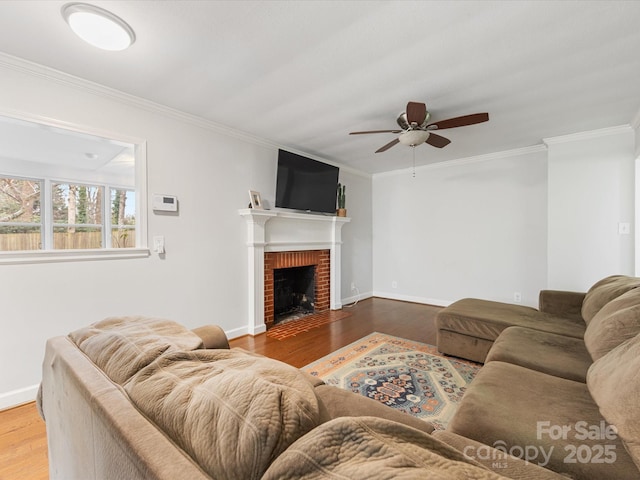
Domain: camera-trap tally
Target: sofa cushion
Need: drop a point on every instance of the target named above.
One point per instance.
(525, 412)
(231, 411)
(616, 322)
(614, 382)
(120, 346)
(496, 459)
(605, 290)
(557, 355)
(370, 447)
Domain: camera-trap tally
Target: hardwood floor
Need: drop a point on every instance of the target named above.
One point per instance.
(23, 442)
(407, 320)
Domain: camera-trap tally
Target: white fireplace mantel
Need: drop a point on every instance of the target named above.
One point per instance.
(281, 231)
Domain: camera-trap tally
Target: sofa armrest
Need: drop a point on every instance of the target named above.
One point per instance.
(561, 303)
(212, 336)
(496, 459)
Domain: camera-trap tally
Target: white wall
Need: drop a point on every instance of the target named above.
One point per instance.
(357, 248)
(591, 190)
(203, 277)
(512, 222)
(467, 228)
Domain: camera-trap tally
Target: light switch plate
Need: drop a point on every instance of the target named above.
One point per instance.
(158, 244)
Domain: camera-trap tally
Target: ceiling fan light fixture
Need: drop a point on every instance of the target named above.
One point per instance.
(413, 137)
(98, 26)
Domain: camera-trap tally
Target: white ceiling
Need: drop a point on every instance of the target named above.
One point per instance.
(304, 74)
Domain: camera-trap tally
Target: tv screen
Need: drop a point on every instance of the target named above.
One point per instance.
(305, 184)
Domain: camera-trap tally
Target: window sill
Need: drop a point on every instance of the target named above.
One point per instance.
(55, 256)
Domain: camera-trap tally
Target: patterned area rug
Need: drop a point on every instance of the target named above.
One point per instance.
(409, 376)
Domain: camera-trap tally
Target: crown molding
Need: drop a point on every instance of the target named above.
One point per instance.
(516, 152)
(21, 65)
(602, 132)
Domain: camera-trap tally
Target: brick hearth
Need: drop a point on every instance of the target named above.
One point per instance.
(321, 259)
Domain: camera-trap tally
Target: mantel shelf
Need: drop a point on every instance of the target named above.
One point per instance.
(267, 214)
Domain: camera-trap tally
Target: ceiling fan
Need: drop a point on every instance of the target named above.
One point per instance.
(416, 129)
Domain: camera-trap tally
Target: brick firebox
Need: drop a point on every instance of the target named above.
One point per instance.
(321, 259)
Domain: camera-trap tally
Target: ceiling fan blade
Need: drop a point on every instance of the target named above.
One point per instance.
(460, 121)
(393, 142)
(375, 131)
(437, 140)
(416, 112)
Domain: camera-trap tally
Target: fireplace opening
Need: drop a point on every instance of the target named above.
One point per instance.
(293, 293)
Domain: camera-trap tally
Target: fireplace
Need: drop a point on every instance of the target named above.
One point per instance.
(283, 239)
(293, 293)
(308, 285)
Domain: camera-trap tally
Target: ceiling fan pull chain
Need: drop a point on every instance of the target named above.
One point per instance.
(413, 147)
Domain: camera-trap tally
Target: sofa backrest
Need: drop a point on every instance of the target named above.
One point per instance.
(94, 432)
(605, 290)
(120, 346)
(614, 383)
(616, 322)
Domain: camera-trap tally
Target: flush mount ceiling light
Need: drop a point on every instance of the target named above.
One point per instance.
(98, 27)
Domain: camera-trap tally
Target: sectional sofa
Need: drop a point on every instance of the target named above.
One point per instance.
(143, 398)
(560, 386)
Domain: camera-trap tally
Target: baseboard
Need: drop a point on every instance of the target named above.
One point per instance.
(409, 298)
(236, 332)
(346, 302)
(18, 397)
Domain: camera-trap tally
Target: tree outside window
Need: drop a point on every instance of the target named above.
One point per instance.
(20, 217)
(77, 218)
(123, 218)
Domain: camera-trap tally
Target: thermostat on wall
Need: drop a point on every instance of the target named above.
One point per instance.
(165, 203)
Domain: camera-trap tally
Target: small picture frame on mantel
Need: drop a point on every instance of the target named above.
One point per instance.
(256, 200)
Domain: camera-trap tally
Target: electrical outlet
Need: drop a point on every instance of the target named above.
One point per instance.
(517, 297)
(624, 228)
(394, 284)
(353, 285)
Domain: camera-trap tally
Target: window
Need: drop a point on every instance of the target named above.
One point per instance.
(76, 211)
(77, 216)
(123, 218)
(67, 194)
(20, 219)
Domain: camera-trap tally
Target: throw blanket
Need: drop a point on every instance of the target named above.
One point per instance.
(372, 448)
(231, 411)
(120, 346)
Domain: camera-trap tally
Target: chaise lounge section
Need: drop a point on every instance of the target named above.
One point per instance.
(467, 328)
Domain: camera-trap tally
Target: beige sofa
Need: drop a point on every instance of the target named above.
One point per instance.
(565, 401)
(141, 398)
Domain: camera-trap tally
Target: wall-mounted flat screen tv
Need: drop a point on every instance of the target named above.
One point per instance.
(305, 184)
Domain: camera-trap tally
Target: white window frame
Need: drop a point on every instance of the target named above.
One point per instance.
(48, 255)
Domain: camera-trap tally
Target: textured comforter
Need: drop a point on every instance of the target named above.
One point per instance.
(233, 412)
(372, 448)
